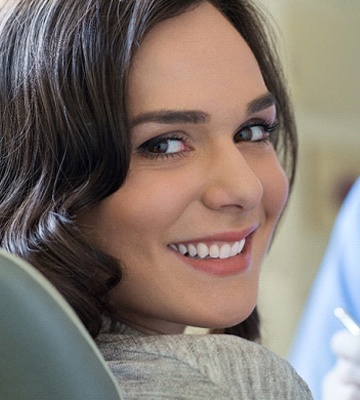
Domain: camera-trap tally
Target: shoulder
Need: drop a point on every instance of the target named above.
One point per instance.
(214, 366)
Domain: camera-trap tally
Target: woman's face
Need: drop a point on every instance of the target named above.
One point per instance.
(193, 220)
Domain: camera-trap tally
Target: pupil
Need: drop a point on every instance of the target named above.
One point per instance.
(244, 134)
(247, 134)
(160, 147)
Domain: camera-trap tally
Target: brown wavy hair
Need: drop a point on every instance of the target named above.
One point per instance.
(64, 137)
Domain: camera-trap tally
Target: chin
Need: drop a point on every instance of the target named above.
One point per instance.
(224, 320)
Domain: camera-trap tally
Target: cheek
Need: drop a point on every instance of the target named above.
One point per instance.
(276, 188)
(153, 200)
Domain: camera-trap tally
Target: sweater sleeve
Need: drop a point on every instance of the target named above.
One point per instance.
(211, 367)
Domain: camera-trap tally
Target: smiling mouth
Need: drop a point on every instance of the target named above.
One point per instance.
(214, 251)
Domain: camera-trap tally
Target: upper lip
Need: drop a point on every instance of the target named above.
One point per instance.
(225, 237)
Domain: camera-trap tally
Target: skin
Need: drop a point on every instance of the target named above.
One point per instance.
(209, 185)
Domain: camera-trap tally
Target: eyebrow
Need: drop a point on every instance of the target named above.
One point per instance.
(197, 117)
(261, 103)
(172, 117)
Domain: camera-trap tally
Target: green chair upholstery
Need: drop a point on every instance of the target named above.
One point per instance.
(45, 351)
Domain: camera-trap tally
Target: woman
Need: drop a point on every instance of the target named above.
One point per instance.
(140, 173)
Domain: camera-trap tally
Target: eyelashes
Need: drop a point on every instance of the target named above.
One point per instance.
(255, 132)
(176, 144)
(168, 145)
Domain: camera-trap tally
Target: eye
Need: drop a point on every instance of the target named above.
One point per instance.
(255, 133)
(163, 146)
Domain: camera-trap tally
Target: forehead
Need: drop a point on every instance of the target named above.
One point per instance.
(192, 61)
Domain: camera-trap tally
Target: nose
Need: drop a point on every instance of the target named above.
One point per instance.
(231, 183)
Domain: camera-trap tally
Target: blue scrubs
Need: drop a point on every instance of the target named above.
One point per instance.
(337, 284)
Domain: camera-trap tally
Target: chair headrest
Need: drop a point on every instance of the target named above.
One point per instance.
(45, 351)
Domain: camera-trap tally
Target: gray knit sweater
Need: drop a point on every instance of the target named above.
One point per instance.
(207, 367)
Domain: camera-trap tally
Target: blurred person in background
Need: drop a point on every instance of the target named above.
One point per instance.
(324, 354)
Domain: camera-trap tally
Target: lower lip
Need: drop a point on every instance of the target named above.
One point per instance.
(222, 267)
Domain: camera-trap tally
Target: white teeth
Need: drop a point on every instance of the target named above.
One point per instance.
(192, 250)
(201, 250)
(225, 251)
(235, 249)
(214, 251)
(182, 249)
(241, 245)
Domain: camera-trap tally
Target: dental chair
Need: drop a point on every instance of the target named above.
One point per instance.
(45, 351)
